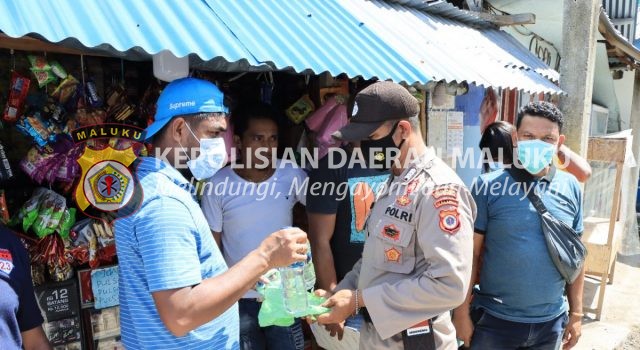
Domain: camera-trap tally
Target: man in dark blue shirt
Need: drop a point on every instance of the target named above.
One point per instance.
(20, 318)
(520, 303)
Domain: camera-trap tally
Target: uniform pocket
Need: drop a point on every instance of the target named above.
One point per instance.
(394, 246)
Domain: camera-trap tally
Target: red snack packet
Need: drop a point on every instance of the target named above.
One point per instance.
(17, 97)
(4, 211)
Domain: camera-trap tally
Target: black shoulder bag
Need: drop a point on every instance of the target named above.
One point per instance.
(563, 243)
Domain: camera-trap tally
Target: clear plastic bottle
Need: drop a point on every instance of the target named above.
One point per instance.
(309, 271)
(294, 291)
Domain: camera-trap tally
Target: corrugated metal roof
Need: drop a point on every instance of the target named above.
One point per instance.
(447, 10)
(313, 36)
(356, 37)
(183, 27)
(448, 50)
(310, 36)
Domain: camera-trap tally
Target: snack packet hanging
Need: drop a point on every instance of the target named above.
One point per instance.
(55, 111)
(41, 70)
(50, 213)
(4, 211)
(93, 98)
(17, 96)
(6, 172)
(29, 211)
(65, 90)
(43, 77)
(300, 109)
(66, 222)
(38, 62)
(37, 128)
(58, 70)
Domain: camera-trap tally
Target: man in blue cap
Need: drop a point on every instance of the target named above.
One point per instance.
(176, 291)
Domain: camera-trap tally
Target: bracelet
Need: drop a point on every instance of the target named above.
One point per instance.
(576, 314)
(357, 306)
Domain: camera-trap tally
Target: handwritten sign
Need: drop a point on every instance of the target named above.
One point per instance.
(104, 283)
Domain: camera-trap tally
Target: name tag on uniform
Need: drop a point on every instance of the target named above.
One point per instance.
(419, 337)
(423, 327)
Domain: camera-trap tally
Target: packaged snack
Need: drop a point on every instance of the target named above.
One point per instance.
(38, 62)
(58, 70)
(300, 109)
(36, 127)
(67, 221)
(50, 213)
(41, 70)
(92, 94)
(66, 89)
(5, 167)
(55, 111)
(37, 274)
(60, 270)
(50, 252)
(121, 111)
(43, 77)
(94, 117)
(115, 95)
(29, 211)
(17, 97)
(4, 211)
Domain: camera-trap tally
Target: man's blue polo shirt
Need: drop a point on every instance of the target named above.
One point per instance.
(518, 281)
(167, 244)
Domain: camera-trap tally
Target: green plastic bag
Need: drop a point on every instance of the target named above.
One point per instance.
(273, 313)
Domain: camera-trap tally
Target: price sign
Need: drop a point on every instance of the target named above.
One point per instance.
(58, 301)
(104, 283)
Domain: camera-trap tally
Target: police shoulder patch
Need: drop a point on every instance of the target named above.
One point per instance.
(450, 221)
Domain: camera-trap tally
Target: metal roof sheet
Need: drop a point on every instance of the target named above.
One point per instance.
(447, 10)
(313, 36)
(183, 27)
(356, 37)
(448, 50)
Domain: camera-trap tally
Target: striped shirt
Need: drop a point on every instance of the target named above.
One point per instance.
(166, 244)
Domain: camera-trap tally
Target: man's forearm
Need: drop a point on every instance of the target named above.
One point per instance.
(575, 292)
(209, 299)
(466, 305)
(324, 265)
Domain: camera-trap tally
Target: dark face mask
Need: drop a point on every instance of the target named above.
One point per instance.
(381, 153)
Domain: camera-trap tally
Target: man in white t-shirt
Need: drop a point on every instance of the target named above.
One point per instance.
(244, 204)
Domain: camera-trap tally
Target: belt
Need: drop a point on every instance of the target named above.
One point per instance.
(367, 317)
(255, 300)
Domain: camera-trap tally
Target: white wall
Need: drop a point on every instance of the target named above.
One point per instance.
(624, 92)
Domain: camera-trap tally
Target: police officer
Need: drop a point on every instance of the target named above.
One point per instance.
(416, 262)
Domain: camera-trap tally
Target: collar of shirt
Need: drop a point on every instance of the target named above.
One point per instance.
(425, 161)
(549, 176)
(150, 165)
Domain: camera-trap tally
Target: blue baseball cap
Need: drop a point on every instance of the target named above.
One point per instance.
(186, 96)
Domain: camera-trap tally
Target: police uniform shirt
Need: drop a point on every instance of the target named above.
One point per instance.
(416, 262)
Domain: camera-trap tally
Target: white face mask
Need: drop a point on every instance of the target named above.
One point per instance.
(213, 157)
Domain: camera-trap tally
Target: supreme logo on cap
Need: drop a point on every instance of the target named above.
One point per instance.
(182, 104)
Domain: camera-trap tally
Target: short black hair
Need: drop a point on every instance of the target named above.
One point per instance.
(542, 109)
(495, 137)
(243, 114)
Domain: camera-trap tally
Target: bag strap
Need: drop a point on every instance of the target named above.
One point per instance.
(523, 177)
